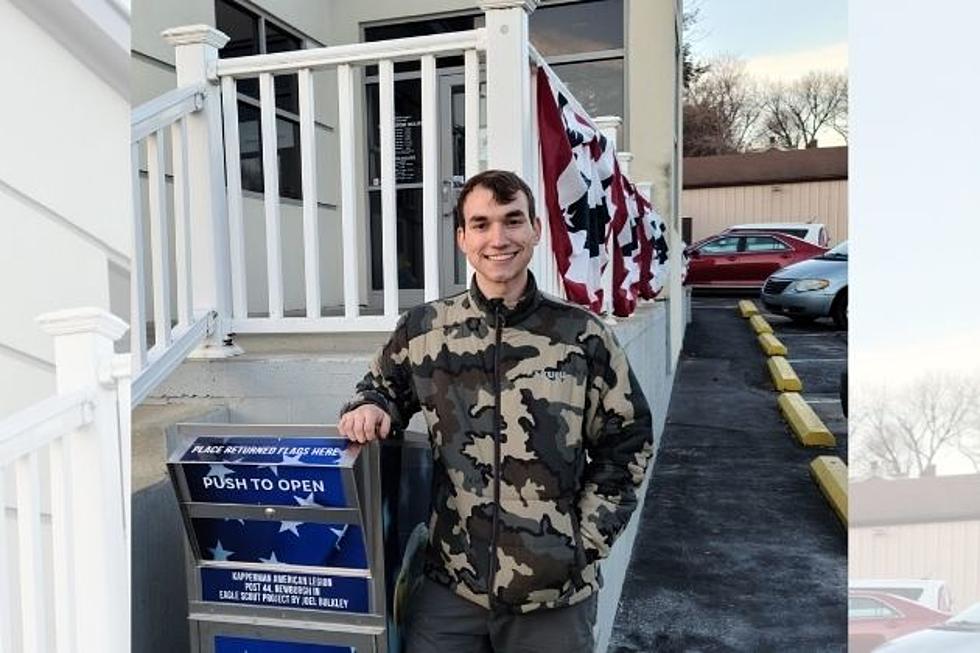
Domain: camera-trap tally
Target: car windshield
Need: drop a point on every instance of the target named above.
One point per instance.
(838, 253)
(969, 617)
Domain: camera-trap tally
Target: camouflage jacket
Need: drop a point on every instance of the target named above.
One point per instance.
(540, 436)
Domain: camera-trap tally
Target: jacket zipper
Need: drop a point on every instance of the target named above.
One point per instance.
(499, 323)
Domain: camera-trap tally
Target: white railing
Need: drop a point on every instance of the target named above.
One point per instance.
(65, 527)
(176, 333)
(343, 60)
(217, 239)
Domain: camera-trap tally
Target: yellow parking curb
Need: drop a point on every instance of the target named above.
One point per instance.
(830, 473)
(771, 345)
(806, 426)
(783, 375)
(759, 324)
(747, 308)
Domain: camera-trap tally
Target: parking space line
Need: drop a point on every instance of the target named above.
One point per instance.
(821, 401)
(810, 335)
(817, 360)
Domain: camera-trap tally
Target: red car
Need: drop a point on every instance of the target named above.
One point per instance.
(873, 618)
(744, 259)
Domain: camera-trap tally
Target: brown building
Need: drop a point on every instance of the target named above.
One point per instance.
(772, 186)
(918, 528)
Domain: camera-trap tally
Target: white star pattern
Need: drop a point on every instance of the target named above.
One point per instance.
(219, 471)
(220, 553)
(291, 526)
(292, 460)
(271, 559)
(274, 468)
(240, 521)
(308, 501)
(339, 532)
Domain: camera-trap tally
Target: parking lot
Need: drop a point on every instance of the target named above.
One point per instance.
(737, 548)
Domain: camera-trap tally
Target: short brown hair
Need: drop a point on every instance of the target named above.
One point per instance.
(503, 184)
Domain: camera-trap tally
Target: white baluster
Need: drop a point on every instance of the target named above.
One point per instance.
(471, 116)
(6, 581)
(159, 240)
(233, 171)
(270, 177)
(348, 191)
(137, 282)
(311, 238)
(33, 631)
(389, 243)
(62, 534)
(182, 227)
(430, 178)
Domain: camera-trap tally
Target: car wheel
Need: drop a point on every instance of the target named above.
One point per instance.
(838, 312)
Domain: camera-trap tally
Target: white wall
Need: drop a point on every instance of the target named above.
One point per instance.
(63, 197)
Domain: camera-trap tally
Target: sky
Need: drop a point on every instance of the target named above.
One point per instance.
(914, 195)
(777, 39)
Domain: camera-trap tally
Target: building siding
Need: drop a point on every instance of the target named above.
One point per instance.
(713, 209)
(943, 551)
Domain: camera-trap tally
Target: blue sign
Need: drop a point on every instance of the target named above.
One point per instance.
(266, 450)
(284, 589)
(224, 644)
(279, 483)
(281, 542)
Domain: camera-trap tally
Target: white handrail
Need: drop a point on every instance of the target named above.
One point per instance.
(164, 361)
(410, 48)
(43, 422)
(165, 110)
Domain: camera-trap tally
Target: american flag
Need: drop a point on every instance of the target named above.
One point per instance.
(588, 198)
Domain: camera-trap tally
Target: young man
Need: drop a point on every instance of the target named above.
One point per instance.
(540, 436)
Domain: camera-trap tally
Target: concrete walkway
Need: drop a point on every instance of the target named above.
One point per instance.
(737, 549)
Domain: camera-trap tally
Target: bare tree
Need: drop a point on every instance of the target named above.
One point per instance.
(722, 110)
(692, 69)
(903, 434)
(796, 112)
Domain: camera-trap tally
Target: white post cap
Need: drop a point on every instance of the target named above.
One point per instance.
(194, 35)
(88, 319)
(528, 5)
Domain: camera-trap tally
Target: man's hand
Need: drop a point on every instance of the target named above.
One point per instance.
(364, 424)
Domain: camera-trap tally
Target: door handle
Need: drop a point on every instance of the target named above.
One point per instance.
(730, 258)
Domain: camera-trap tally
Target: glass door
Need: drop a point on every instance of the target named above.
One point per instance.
(408, 185)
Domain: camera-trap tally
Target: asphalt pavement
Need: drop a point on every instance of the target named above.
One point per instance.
(737, 548)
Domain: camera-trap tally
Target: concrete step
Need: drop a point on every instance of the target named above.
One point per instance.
(151, 424)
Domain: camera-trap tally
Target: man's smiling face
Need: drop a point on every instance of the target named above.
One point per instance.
(498, 240)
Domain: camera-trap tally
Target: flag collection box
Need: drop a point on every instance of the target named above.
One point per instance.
(286, 552)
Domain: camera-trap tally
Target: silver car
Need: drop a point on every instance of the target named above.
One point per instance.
(810, 289)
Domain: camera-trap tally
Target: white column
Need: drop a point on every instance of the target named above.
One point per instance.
(509, 138)
(84, 360)
(624, 158)
(609, 126)
(196, 49)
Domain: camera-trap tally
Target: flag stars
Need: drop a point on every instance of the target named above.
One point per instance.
(219, 553)
(308, 501)
(291, 526)
(219, 471)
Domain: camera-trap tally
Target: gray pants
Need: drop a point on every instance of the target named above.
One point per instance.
(439, 621)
